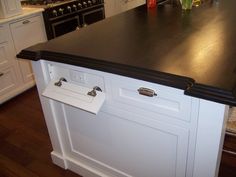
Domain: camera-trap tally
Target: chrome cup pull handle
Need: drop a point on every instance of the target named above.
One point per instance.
(146, 92)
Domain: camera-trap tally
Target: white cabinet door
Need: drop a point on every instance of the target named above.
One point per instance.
(8, 81)
(5, 55)
(26, 33)
(6, 49)
(125, 147)
(3, 32)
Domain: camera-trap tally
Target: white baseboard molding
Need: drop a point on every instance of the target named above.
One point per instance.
(59, 160)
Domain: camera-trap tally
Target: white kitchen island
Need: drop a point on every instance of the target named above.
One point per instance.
(165, 80)
(167, 135)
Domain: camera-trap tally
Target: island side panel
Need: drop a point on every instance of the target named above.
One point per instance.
(42, 79)
(210, 138)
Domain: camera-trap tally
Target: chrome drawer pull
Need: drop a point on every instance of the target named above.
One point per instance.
(93, 92)
(25, 22)
(59, 83)
(1, 74)
(146, 92)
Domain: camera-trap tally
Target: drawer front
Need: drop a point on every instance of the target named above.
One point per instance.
(3, 37)
(8, 80)
(168, 102)
(21, 31)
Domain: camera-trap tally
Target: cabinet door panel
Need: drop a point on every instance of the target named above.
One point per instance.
(168, 101)
(5, 58)
(7, 80)
(26, 33)
(2, 34)
(125, 148)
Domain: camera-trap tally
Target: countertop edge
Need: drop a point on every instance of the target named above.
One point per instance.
(212, 94)
(185, 83)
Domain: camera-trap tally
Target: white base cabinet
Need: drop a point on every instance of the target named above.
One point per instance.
(16, 75)
(168, 135)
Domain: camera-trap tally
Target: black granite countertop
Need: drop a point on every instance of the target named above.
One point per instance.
(194, 51)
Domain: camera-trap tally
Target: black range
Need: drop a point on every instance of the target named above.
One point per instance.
(63, 16)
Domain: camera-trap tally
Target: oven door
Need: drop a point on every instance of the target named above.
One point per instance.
(64, 26)
(93, 16)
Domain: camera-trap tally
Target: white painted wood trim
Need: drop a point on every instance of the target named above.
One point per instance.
(210, 136)
(42, 79)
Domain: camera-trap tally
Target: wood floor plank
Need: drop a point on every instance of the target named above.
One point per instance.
(24, 141)
(14, 153)
(10, 167)
(52, 170)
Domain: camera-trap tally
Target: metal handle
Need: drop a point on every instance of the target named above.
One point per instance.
(25, 22)
(1, 74)
(59, 83)
(93, 92)
(146, 92)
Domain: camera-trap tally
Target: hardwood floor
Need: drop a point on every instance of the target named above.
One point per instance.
(228, 160)
(25, 146)
(24, 142)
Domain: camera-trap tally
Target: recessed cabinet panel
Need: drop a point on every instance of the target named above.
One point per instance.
(111, 143)
(166, 101)
(7, 80)
(26, 70)
(2, 34)
(5, 58)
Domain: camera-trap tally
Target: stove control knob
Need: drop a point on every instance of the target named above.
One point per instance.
(61, 11)
(94, 1)
(69, 8)
(74, 7)
(80, 6)
(89, 3)
(54, 13)
(85, 4)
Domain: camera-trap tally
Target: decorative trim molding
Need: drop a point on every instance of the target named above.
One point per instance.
(185, 83)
